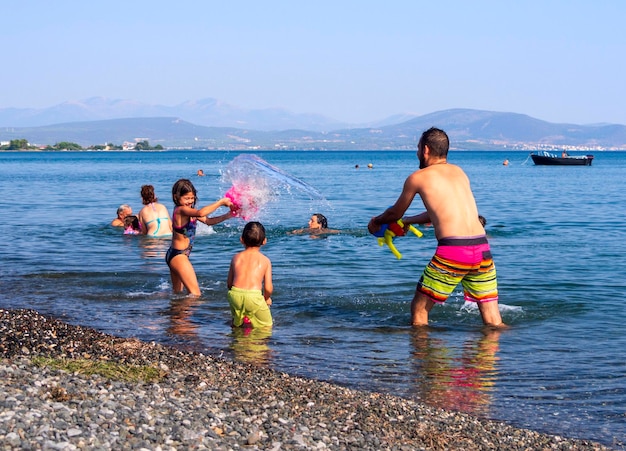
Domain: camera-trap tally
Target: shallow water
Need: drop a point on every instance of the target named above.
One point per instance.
(341, 303)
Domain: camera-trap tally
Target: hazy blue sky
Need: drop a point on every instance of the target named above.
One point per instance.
(352, 60)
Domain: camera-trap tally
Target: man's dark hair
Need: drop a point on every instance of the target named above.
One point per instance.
(436, 140)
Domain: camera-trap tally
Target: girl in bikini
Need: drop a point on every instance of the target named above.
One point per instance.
(154, 217)
(184, 221)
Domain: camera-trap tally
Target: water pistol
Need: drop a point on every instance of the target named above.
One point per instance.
(388, 232)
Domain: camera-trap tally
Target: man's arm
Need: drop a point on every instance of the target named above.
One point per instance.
(422, 218)
(395, 212)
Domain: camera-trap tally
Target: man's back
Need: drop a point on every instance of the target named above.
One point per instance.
(447, 195)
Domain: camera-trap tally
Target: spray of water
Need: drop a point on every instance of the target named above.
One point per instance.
(255, 183)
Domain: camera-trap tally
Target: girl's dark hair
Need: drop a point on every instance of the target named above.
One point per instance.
(322, 220)
(253, 234)
(132, 220)
(147, 195)
(182, 187)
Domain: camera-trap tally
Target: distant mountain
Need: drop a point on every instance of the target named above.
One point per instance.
(477, 129)
(208, 112)
(468, 129)
(481, 130)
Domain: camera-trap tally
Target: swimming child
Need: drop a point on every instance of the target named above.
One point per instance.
(131, 225)
(250, 280)
(184, 219)
(318, 225)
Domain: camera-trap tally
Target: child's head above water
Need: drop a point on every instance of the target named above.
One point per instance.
(182, 187)
(318, 221)
(253, 234)
(131, 225)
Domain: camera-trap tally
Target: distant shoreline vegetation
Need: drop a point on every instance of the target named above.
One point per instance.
(23, 144)
(467, 129)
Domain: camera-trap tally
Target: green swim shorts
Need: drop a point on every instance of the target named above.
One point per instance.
(250, 304)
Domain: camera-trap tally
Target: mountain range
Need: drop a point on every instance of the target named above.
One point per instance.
(211, 124)
(208, 112)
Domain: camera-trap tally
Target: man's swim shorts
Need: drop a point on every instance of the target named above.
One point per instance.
(461, 260)
(250, 304)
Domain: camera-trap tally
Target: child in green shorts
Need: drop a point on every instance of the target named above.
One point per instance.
(250, 280)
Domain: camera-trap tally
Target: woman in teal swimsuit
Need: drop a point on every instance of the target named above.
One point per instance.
(154, 218)
(184, 223)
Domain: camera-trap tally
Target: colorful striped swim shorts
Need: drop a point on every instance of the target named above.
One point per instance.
(467, 261)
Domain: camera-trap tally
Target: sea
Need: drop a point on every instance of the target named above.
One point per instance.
(341, 301)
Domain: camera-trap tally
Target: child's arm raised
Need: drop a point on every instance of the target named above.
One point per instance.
(216, 219)
(223, 202)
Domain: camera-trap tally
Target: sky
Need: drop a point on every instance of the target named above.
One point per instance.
(354, 61)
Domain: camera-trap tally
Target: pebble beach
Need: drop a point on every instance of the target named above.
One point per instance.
(203, 402)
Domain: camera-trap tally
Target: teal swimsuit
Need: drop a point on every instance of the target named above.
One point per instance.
(158, 220)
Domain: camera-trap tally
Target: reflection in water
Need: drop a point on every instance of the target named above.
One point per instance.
(250, 345)
(153, 251)
(462, 383)
(180, 312)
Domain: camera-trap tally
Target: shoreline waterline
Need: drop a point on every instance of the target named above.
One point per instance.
(204, 402)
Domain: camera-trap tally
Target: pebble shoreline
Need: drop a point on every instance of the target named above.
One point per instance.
(208, 403)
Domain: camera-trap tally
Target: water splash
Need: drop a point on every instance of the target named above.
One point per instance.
(255, 183)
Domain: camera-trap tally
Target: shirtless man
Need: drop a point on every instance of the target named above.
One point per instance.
(122, 211)
(463, 254)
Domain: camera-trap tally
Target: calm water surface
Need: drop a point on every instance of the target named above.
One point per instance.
(341, 303)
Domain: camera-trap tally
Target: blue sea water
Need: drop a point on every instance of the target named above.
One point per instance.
(341, 302)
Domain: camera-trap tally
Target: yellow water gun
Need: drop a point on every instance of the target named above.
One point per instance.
(388, 232)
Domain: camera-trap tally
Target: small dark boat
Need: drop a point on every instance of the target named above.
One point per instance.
(549, 159)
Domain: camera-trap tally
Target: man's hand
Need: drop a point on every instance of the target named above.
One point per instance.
(372, 226)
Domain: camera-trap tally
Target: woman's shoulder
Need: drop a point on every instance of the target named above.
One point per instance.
(161, 207)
